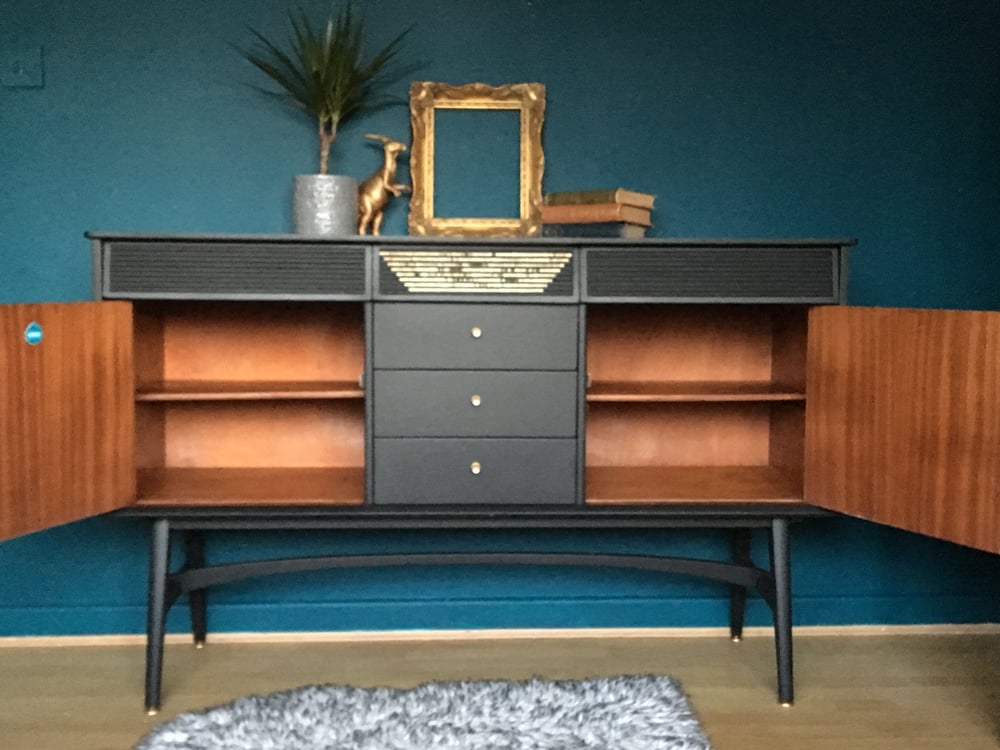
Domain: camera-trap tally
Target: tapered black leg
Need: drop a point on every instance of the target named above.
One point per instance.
(156, 611)
(740, 541)
(781, 567)
(194, 557)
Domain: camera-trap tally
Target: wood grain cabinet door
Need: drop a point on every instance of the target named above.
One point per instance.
(66, 413)
(903, 419)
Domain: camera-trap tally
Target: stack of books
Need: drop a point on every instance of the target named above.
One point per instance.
(597, 213)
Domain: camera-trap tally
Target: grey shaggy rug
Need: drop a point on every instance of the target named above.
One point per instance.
(611, 713)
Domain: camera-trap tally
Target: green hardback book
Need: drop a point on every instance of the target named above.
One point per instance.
(612, 195)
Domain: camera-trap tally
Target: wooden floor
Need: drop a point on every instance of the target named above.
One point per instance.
(912, 692)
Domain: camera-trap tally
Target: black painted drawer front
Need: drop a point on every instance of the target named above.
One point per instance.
(233, 270)
(750, 274)
(472, 337)
(430, 471)
(473, 403)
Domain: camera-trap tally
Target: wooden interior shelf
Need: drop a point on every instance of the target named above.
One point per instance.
(206, 390)
(257, 486)
(662, 484)
(249, 403)
(248, 347)
(695, 404)
(651, 391)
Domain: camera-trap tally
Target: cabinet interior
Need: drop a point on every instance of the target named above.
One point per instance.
(695, 403)
(249, 402)
(244, 402)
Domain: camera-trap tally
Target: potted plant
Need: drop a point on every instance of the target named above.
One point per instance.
(323, 72)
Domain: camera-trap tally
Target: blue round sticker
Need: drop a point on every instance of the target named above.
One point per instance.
(33, 334)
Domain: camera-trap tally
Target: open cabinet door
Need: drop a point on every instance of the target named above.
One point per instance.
(66, 413)
(903, 419)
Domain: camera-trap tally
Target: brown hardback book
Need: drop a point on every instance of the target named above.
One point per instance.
(613, 195)
(585, 213)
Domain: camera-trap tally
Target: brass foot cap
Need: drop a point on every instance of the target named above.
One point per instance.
(736, 638)
(199, 644)
(786, 704)
(152, 711)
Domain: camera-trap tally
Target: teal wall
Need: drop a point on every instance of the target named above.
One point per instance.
(745, 117)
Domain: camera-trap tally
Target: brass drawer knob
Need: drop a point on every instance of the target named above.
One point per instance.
(475, 467)
(476, 399)
(477, 332)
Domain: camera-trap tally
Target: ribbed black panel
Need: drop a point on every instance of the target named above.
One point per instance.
(480, 271)
(233, 269)
(562, 284)
(747, 273)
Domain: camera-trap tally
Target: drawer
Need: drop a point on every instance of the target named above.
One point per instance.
(431, 471)
(473, 337)
(474, 403)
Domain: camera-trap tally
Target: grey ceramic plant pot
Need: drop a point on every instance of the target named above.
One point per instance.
(326, 204)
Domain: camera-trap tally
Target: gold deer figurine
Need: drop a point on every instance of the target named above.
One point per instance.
(375, 191)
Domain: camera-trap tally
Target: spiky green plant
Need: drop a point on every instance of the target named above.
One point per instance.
(324, 73)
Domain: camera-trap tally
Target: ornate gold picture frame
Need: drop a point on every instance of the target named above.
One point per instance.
(425, 98)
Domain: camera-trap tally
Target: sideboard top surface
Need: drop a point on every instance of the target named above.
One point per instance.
(476, 241)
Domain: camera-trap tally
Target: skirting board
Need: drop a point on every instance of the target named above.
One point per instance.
(417, 636)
